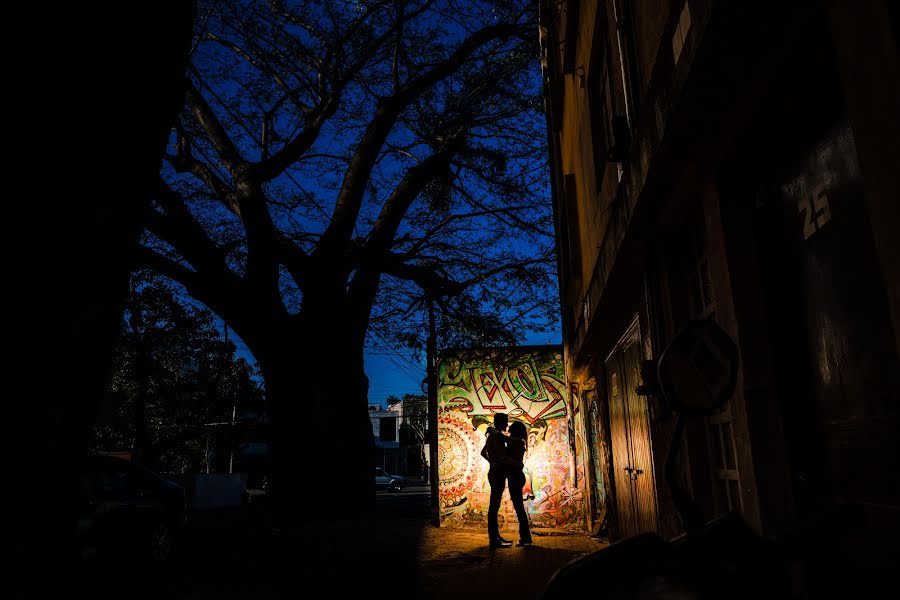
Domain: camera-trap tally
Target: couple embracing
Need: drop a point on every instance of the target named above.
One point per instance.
(506, 455)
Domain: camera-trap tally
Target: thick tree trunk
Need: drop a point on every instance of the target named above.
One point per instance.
(96, 91)
(320, 434)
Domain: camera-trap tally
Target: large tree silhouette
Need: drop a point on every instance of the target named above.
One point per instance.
(97, 89)
(339, 165)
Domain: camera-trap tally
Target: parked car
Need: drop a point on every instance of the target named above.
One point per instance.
(386, 481)
(129, 511)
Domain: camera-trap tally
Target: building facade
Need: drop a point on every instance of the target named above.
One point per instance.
(735, 161)
(386, 424)
(401, 436)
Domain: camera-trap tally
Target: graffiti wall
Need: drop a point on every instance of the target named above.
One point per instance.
(528, 384)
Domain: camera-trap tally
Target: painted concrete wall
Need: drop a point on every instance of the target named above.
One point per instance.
(528, 383)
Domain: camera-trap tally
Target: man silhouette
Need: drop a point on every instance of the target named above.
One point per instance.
(495, 453)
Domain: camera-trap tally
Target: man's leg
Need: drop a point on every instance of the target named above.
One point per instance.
(497, 481)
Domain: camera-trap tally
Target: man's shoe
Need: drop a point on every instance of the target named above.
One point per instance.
(497, 543)
(503, 539)
(523, 543)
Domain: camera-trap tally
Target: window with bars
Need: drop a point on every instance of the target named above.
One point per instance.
(601, 104)
(606, 93)
(573, 225)
(720, 430)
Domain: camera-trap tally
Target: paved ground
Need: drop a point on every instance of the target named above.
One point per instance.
(458, 563)
(396, 552)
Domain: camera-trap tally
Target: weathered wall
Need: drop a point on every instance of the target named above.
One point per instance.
(528, 384)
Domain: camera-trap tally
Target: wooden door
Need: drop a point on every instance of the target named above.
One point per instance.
(643, 484)
(630, 433)
(618, 430)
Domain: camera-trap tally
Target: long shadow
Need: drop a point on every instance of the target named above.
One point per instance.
(235, 554)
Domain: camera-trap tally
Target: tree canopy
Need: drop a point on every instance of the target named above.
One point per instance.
(340, 167)
(173, 377)
(391, 149)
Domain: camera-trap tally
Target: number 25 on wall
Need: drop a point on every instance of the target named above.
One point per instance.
(814, 208)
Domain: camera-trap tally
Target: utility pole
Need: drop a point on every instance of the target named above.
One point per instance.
(431, 351)
(233, 439)
(233, 413)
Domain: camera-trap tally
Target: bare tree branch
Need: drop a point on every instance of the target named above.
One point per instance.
(289, 93)
(215, 132)
(349, 199)
(292, 151)
(184, 162)
(412, 184)
(179, 228)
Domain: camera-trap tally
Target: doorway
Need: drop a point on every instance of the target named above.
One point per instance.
(598, 457)
(630, 433)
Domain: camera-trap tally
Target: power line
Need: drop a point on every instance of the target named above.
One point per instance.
(393, 350)
(405, 366)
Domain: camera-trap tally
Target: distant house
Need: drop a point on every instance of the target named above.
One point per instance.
(386, 429)
(397, 449)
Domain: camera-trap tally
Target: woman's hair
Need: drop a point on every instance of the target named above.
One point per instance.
(517, 430)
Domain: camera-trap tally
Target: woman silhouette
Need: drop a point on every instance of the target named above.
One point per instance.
(516, 446)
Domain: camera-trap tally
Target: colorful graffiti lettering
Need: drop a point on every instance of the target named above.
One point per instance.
(529, 385)
(487, 382)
